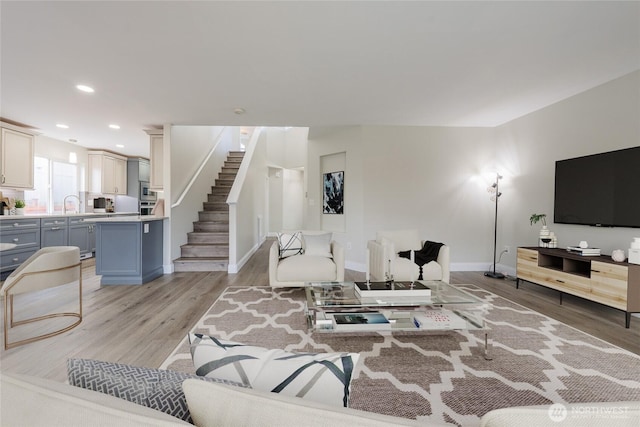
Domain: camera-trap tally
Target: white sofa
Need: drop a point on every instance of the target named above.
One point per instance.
(32, 401)
(294, 271)
(383, 254)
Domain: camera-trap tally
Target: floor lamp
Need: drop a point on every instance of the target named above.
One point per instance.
(495, 188)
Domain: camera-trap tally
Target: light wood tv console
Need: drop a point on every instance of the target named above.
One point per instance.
(596, 278)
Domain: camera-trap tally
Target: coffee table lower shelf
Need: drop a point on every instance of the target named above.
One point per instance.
(406, 321)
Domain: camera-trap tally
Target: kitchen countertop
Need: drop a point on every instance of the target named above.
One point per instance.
(83, 214)
(130, 218)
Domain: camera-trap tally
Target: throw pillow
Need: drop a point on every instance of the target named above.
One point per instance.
(290, 244)
(321, 377)
(318, 244)
(155, 388)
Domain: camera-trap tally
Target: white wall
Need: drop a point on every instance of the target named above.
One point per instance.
(247, 216)
(293, 200)
(602, 119)
(435, 179)
(189, 147)
(347, 141)
(275, 199)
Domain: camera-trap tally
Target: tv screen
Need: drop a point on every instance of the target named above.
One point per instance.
(601, 189)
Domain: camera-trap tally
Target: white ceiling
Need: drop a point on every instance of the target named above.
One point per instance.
(301, 63)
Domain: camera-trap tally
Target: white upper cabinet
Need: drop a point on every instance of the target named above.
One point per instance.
(107, 173)
(16, 158)
(156, 158)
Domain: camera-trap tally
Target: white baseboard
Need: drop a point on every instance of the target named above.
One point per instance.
(234, 268)
(470, 266)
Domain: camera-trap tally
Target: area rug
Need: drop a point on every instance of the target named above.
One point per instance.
(441, 378)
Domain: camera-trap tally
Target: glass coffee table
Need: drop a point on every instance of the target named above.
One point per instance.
(336, 307)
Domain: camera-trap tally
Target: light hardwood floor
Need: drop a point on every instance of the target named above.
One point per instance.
(141, 325)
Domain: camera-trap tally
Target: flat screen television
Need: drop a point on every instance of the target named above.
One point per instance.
(600, 190)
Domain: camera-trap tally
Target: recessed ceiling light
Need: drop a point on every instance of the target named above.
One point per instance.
(239, 110)
(114, 126)
(62, 126)
(85, 88)
(119, 145)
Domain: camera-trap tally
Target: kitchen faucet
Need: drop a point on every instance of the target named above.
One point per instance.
(64, 203)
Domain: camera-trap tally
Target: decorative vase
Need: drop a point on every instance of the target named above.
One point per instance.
(19, 211)
(544, 237)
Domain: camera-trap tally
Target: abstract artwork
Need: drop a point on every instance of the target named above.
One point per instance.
(333, 184)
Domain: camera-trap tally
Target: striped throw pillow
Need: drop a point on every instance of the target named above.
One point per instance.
(320, 377)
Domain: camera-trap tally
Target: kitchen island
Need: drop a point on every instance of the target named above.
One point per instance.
(129, 249)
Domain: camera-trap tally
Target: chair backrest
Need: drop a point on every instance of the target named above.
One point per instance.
(403, 240)
(47, 268)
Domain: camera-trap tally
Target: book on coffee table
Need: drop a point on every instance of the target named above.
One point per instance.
(369, 320)
(392, 289)
(439, 319)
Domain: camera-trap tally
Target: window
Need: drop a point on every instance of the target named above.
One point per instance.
(37, 200)
(53, 180)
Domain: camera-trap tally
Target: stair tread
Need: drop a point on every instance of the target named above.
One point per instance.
(214, 227)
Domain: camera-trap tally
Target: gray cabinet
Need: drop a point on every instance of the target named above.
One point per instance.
(79, 235)
(53, 232)
(129, 253)
(25, 235)
(137, 172)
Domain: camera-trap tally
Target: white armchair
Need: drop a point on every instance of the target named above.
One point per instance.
(384, 259)
(322, 261)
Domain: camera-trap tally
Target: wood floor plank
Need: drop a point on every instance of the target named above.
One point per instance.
(141, 325)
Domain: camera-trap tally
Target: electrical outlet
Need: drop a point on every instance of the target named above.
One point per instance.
(507, 249)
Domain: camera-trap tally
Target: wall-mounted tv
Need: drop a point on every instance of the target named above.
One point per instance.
(599, 190)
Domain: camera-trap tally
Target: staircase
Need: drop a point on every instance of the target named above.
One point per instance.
(207, 247)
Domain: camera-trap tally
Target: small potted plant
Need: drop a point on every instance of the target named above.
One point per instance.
(538, 217)
(545, 234)
(19, 207)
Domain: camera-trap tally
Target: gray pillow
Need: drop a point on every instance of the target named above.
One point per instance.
(155, 388)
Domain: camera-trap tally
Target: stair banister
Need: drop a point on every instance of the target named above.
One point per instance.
(234, 194)
(199, 170)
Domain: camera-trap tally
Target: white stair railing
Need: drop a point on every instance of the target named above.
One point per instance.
(199, 170)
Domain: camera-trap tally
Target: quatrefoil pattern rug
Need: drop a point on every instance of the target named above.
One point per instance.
(441, 378)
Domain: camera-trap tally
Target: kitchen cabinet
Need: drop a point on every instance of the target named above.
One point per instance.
(156, 154)
(138, 170)
(53, 232)
(129, 250)
(16, 157)
(80, 233)
(107, 173)
(25, 235)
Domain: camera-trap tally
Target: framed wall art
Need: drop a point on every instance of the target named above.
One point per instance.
(333, 193)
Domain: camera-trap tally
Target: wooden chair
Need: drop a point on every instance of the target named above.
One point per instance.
(48, 268)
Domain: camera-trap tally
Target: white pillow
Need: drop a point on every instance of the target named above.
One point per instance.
(321, 377)
(290, 244)
(317, 244)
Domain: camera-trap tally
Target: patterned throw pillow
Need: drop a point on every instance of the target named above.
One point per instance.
(290, 244)
(321, 377)
(155, 388)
